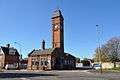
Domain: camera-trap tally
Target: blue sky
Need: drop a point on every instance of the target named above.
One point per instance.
(28, 22)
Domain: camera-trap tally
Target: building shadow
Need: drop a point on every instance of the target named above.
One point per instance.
(23, 75)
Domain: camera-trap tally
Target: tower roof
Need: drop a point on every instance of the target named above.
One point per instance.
(57, 13)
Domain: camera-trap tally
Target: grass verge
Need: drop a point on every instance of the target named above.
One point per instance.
(117, 69)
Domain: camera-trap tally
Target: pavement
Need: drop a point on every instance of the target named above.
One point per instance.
(57, 75)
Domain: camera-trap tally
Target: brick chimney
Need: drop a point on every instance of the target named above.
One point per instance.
(8, 45)
(43, 45)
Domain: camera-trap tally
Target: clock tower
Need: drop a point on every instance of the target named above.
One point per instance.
(58, 30)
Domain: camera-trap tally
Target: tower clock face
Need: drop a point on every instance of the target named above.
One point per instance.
(56, 26)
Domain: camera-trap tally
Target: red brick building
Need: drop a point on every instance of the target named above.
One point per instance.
(55, 57)
(9, 57)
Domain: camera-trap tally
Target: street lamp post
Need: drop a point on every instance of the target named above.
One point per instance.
(99, 32)
(20, 58)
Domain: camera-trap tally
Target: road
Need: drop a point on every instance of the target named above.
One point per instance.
(57, 75)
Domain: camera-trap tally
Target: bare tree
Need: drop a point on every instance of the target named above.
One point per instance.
(109, 51)
(77, 60)
(101, 53)
(113, 46)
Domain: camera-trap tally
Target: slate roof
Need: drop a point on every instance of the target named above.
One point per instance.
(39, 52)
(69, 55)
(9, 51)
(57, 13)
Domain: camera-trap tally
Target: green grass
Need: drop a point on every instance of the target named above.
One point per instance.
(117, 69)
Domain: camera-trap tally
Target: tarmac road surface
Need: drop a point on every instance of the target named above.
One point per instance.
(57, 75)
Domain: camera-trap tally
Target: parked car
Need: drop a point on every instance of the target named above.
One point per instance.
(96, 66)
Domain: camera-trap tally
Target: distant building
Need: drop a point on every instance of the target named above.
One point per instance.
(55, 57)
(9, 57)
(23, 63)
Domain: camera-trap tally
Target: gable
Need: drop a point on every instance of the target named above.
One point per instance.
(12, 51)
(9, 51)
